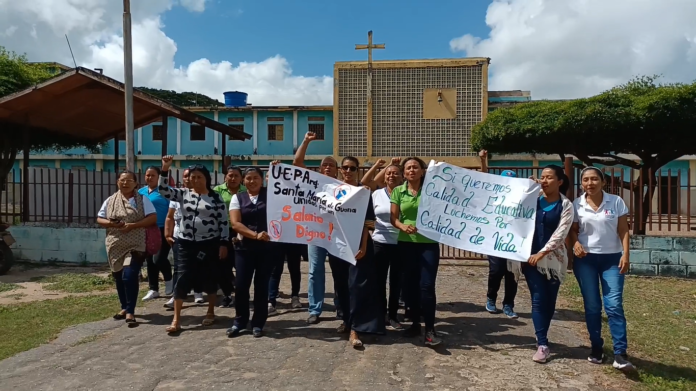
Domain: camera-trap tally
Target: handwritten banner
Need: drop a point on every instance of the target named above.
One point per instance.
(310, 208)
(484, 213)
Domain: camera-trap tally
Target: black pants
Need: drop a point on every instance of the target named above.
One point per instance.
(159, 263)
(421, 262)
(340, 271)
(225, 275)
(293, 254)
(389, 265)
(196, 267)
(254, 261)
(497, 270)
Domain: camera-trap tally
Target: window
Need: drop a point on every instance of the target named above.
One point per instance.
(197, 133)
(235, 127)
(275, 132)
(156, 132)
(315, 119)
(318, 130)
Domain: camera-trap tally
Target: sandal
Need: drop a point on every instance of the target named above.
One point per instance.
(131, 322)
(355, 340)
(173, 328)
(209, 320)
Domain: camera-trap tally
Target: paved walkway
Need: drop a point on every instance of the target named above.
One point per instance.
(481, 352)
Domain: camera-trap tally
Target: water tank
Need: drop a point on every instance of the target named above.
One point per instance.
(235, 98)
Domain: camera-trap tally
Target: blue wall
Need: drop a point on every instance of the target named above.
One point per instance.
(317, 147)
(237, 147)
(272, 147)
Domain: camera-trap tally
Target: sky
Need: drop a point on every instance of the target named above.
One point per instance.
(282, 52)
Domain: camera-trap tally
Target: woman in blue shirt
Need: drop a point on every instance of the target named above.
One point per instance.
(158, 263)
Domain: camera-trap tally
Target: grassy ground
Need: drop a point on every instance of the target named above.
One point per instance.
(661, 315)
(76, 283)
(6, 287)
(26, 326)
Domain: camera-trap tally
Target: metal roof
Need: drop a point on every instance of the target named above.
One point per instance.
(84, 104)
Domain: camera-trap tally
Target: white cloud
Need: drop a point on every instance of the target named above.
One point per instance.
(94, 28)
(194, 5)
(576, 48)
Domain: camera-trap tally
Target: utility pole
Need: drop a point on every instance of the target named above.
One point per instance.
(128, 81)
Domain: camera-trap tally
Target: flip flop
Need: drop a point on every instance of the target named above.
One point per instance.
(208, 321)
(131, 322)
(172, 328)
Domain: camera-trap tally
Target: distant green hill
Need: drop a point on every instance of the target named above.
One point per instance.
(182, 98)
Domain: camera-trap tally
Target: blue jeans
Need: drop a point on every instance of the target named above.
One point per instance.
(317, 279)
(128, 283)
(421, 261)
(544, 293)
(591, 271)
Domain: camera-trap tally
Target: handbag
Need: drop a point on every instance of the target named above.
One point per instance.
(153, 240)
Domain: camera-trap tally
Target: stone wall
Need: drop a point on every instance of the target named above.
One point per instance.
(48, 242)
(663, 255)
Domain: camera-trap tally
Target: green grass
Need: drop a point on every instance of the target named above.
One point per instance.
(75, 282)
(661, 316)
(28, 325)
(6, 287)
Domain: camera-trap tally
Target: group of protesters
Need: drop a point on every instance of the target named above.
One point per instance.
(215, 232)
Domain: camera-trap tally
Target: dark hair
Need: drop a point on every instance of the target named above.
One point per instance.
(131, 173)
(253, 169)
(421, 163)
(206, 174)
(235, 168)
(157, 169)
(599, 172)
(560, 174)
(351, 159)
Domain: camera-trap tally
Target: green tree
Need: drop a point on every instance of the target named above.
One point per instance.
(185, 99)
(17, 74)
(656, 122)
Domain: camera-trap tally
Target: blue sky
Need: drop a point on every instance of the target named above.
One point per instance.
(313, 34)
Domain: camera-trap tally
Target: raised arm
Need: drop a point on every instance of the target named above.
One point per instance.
(369, 178)
(379, 178)
(170, 193)
(483, 155)
(299, 158)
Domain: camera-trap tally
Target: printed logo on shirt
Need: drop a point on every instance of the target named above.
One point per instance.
(609, 213)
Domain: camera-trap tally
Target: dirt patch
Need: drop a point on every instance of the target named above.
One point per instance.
(31, 282)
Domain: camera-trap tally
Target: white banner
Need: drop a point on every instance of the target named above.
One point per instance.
(484, 213)
(310, 208)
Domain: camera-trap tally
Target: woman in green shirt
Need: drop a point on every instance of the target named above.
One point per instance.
(421, 256)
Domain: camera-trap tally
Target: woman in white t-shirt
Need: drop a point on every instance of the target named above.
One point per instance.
(600, 240)
(385, 242)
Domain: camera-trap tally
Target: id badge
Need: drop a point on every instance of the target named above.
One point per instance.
(201, 255)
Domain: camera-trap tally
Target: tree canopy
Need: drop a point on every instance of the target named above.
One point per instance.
(182, 98)
(17, 74)
(656, 122)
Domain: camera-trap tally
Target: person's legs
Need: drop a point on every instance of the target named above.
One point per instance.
(339, 272)
(152, 274)
(276, 272)
(317, 279)
(429, 263)
(510, 289)
(382, 259)
(496, 271)
(293, 255)
(264, 262)
(161, 260)
(244, 263)
(587, 275)
(224, 275)
(409, 254)
(120, 289)
(395, 278)
(131, 283)
(538, 290)
(612, 292)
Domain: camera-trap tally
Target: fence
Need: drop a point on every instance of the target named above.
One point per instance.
(75, 196)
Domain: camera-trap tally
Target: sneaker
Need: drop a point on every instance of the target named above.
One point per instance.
(621, 363)
(507, 310)
(313, 319)
(272, 310)
(257, 332)
(395, 325)
(198, 298)
(490, 307)
(295, 302)
(596, 356)
(169, 288)
(151, 295)
(226, 302)
(170, 303)
(431, 338)
(542, 354)
(413, 331)
(233, 331)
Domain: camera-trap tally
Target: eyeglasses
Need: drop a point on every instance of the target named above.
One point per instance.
(349, 168)
(125, 181)
(196, 167)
